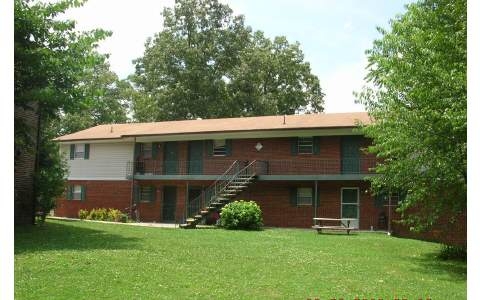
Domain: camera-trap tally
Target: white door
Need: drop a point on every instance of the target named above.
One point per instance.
(350, 205)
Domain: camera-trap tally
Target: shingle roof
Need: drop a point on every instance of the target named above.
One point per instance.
(308, 121)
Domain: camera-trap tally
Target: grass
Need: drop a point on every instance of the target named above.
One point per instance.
(86, 260)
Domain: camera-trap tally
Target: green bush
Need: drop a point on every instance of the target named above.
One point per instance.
(453, 253)
(103, 214)
(116, 215)
(241, 215)
(82, 214)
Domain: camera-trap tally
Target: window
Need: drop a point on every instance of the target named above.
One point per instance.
(79, 151)
(305, 145)
(76, 192)
(145, 193)
(304, 196)
(147, 150)
(219, 148)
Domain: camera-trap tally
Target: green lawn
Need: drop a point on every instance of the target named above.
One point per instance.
(85, 260)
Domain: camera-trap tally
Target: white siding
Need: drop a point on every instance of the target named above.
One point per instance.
(106, 162)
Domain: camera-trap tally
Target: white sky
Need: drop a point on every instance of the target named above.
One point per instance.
(332, 34)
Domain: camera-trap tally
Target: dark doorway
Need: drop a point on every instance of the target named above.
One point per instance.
(195, 157)
(170, 161)
(351, 155)
(194, 204)
(169, 203)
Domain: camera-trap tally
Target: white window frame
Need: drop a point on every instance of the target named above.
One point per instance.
(77, 192)
(303, 199)
(79, 151)
(305, 143)
(220, 147)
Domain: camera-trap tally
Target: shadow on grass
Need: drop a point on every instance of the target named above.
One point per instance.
(64, 236)
(451, 270)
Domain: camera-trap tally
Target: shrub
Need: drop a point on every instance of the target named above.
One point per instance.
(241, 215)
(453, 253)
(82, 214)
(115, 215)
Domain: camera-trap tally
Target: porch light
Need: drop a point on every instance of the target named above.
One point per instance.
(258, 146)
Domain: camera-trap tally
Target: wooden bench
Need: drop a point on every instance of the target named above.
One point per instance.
(343, 226)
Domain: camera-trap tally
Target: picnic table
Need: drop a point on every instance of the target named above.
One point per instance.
(343, 224)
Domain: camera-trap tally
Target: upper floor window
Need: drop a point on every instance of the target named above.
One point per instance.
(79, 151)
(219, 148)
(305, 145)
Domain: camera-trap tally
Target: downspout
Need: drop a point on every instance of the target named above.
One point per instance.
(316, 199)
(36, 168)
(133, 176)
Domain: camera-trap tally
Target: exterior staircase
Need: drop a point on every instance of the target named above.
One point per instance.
(237, 178)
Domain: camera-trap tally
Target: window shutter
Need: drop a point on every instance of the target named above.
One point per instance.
(86, 153)
(153, 195)
(294, 145)
(138, 150)
(84, 193)
(72, 151)
(228, 146)
(69, 192)
(316, 145)
(293, 196)
(154, 150)
(136, 193)
(209, 145)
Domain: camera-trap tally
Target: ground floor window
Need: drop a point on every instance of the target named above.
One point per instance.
(76, 192)
(304, 196)
(144, 193)
(301, 196)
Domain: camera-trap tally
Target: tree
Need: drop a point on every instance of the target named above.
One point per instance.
(418, 100)
(104, 99)
(50, 59)
(207, 63)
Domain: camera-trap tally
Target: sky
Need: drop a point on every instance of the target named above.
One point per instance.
(333, 34)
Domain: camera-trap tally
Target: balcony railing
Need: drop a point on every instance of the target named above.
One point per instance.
(270, 167)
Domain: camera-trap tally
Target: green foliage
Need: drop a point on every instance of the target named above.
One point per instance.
(103, 214)
(449, 252)
(104, 100)
(82, 214)
(418, 99)
(51, 174)
(206, 63)
(241, 215)
(123, 262)
(50, 60)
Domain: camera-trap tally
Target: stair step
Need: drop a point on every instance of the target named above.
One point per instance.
(212, 208)
(190, 220)
(216, 203)
(198, 216)
(225, 194)
(204, 212)
(237, 186)
(232, 191)
(222, 199)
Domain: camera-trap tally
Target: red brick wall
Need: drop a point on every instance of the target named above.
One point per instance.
(274, 200)
(275, 150)
(107, 194)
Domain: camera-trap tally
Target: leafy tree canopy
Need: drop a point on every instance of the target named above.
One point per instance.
(207, 63)
(418, 99)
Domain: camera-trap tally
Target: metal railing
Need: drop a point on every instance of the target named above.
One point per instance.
(244, 169)
(298, 166)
